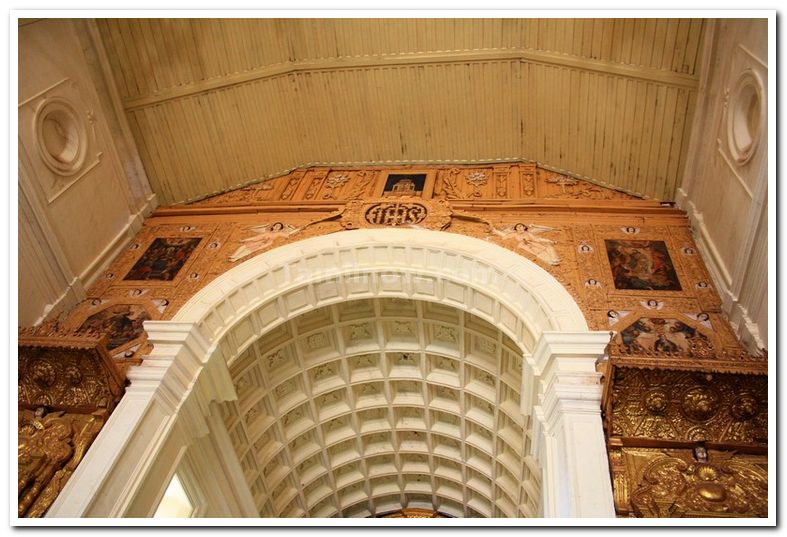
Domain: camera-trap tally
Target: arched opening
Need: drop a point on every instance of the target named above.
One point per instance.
(530, 443)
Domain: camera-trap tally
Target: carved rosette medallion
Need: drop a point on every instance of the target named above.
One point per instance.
(700, 403)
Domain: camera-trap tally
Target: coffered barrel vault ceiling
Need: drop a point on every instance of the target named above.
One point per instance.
(371, 406)
(215, 104)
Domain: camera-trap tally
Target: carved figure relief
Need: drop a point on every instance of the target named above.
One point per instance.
(528, 239)
(450, 190)
(264, 237)
(163, 259)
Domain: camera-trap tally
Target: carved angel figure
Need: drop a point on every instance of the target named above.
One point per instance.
(263, 238)
(528, 239)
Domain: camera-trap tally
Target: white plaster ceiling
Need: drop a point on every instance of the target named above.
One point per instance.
(370, 406)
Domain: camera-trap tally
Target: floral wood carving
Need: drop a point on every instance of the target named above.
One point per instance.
(501, 181)
(700, 355)
(476, 180)
(292, 184)
(528, 175)
(333, 183)
(314, 186)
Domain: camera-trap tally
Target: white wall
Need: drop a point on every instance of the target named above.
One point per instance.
(725, 189)
(82, 191)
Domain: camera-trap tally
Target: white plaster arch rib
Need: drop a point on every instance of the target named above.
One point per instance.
(485, 279)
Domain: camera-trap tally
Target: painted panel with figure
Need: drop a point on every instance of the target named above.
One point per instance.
(123, 322)
(163, 259)
(642, 265)
(655, 334)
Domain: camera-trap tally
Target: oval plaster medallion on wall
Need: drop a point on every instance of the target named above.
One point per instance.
(745, 115)
(61, 136)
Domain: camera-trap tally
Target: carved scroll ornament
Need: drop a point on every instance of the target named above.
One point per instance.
(675, 483)
(50, 448)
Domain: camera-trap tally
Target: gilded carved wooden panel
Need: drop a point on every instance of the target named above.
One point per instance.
(688, 406)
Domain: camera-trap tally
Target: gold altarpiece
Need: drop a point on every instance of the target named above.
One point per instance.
(685, 406)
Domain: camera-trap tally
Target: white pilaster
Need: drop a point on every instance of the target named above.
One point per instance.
(164, 409)
(568, 435)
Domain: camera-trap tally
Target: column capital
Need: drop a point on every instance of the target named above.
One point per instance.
(562, 359)
(584, 347)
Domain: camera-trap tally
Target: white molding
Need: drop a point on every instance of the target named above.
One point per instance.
(747, 330)
(732, 276)
(478, 267)
(139, 191)
(74, 292)
(43, 92)
(710, 254)
(35, 221)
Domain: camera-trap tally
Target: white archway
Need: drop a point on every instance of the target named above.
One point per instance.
(168, 403)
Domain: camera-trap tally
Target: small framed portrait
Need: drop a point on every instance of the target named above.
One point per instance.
(412, 183)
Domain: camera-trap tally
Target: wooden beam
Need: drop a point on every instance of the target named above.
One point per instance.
(658, 76)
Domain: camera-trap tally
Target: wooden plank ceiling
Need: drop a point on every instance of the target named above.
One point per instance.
(218, 103)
